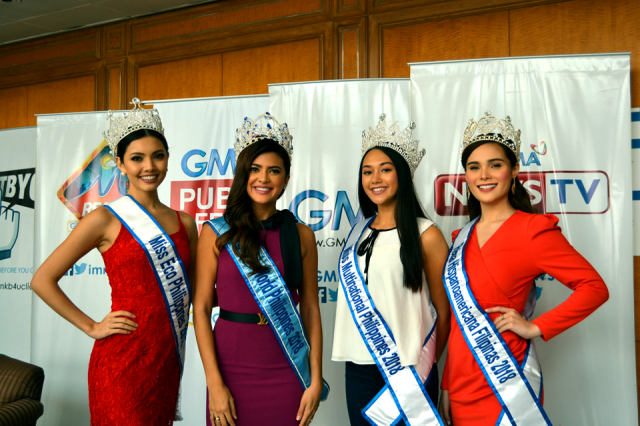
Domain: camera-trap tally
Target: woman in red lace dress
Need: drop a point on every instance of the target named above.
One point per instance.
(134, 371)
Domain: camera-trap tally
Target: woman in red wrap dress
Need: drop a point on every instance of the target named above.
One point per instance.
(134, 371)
(507, 249)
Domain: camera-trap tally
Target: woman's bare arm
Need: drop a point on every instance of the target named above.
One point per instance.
(91, 232)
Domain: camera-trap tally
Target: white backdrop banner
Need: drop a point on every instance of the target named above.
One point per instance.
(574, 115)
(201, 167)
(76, 174)
(635, 161)
(326, 120)
(79, 175)
(17, 195)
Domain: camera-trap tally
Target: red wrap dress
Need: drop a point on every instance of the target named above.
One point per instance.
(501, 274)
(134, 378)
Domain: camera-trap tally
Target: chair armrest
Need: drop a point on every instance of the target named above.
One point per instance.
(24, 412)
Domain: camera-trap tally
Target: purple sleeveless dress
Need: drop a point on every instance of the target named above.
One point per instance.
(253, 366)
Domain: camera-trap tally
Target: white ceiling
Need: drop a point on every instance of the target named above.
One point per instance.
(36, 18)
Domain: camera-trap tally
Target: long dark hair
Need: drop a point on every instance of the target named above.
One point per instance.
(134, 136)
(244, 227)
(407, 212)
(519, 201)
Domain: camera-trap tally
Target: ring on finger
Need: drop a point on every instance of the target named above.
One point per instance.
(501, 316)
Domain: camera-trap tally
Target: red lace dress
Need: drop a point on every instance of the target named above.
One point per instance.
(134, 379)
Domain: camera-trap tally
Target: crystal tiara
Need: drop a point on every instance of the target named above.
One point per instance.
(486, 132)
(135, 119)
(400, 141)
(263, 127)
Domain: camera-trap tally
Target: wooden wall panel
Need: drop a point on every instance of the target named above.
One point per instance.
(114, 91)
(13, 107)
(75, 48)
(350, 8)
(350, 60)
(71, 95)
(63, 50)
(483, 36)
(186, 78)
(230, 18)
(580, 26)
(248, 72)
(114, 40)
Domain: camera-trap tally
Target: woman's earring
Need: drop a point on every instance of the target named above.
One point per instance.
(513, 186)
(123, 174)
(468, 192)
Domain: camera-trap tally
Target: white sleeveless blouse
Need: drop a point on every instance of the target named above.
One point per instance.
(409, 315)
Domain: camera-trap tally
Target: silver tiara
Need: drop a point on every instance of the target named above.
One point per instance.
(400, 141)
(263, 127)
(135, 119)
(486, 132)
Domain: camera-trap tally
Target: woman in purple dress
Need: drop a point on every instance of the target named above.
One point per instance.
(249, 378)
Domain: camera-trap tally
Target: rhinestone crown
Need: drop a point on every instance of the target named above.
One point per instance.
(392, 137)
(136, 119)
(263, 127)
(486, 132)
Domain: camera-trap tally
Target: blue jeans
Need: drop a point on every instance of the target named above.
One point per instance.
(363, 382)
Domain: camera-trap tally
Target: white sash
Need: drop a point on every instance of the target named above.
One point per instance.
(167, 266)
(512, 384)
(404, 396)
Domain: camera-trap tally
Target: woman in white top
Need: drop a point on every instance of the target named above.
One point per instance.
(400, 257)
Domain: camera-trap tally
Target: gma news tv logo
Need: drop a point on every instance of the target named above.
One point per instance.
(560, 192)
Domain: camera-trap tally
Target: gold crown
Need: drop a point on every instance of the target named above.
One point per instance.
(136, 119)
(486, 132)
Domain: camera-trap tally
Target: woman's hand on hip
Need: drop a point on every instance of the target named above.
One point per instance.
(445, 407)
(116, 322)
(222, 409)
(309, 404)
(511, 320)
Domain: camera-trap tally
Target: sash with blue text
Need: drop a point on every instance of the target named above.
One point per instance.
(517, 387)
(272, 295)
(166, 264)
(404, 396)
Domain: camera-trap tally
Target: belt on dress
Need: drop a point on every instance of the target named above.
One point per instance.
(259, 318)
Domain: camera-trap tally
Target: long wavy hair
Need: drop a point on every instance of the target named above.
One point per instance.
(407, 212)
(519, 201)
(244, 227)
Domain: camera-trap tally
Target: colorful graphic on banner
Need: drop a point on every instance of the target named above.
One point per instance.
(96, 182)
(589, 192)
